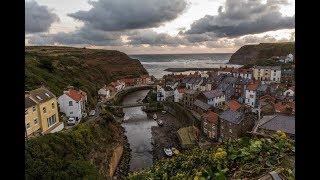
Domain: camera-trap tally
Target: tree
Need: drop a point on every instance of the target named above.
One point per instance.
(46, 64)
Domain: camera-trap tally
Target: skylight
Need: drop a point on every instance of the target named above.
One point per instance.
(39, 97)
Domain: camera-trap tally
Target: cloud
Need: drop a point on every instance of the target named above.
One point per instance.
(155, 39)
(38, 18)
(111, 15)
(244, 17)
(84, 35)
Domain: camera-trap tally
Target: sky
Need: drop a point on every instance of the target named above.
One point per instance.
(159, 26)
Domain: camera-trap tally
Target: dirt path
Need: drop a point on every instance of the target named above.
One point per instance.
(165, 135)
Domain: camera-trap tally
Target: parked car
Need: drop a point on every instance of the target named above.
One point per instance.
(71, 121)
(92, 113)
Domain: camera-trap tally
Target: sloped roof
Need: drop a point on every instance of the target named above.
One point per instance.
(76, 95)
(234, 105)
(232, 116)
(201, 104)
(253, 86)
(211, 117)
(28, 102)
(280, 122)
(41, 95)
(212, 93)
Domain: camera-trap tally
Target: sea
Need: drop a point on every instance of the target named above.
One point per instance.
(155, 64)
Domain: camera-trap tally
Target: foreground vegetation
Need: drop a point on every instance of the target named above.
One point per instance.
(80, 153)
(242, 158)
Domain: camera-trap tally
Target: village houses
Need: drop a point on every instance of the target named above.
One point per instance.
(104, 93)
(210, 121)
(41, 112)
(213, 98)
(251, 94)
(269, 125)
(267, 74)
(73, 103)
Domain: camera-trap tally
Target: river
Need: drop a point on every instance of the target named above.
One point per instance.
(138, 131)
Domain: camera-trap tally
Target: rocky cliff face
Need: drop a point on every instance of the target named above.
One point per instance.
(251, 54)
(57, 67)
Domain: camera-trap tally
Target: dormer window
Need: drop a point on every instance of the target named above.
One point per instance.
(47, 94)
(44, 110)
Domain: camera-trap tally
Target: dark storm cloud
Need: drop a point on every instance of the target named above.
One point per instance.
(85, 35)
(117, 15)
(243, 17)
(38, 18)
(155, 39)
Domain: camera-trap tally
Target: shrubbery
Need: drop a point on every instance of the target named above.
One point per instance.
(64, 155)
(242, 158)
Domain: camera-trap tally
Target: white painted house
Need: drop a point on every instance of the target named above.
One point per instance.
(178, 94)
(194, 83)
(104, 93)
(164, 93)
(251, 95)
(214, 97)
(72, 103)
(267, 74)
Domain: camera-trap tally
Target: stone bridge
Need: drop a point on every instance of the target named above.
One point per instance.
(129, 105)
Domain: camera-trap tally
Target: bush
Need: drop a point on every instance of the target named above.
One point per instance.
(46, 64)
(237, 159)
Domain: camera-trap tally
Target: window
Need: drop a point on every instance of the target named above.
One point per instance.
(38, 97)
(274, 79)
(71, 112)
(70, 103)
(28, 125)
(274, 71)
(52, 105)
(252, 103)
(33, 108)
(230, 130)
(35, 121)
(26, 111)
(44, 110)
(51, 120)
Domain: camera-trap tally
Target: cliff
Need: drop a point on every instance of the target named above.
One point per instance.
(252, 54)
(57, 67)
(83, 152)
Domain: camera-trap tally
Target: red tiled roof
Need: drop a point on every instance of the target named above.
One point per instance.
(267, 96)
(181, 90)
(76, 95)
(280, 107)
(253, 87)
(234, 105)
(211, 117)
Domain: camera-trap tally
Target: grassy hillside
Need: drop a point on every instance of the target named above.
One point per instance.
(253, 54)
(89, 69)
(245, 158)
(81, 153)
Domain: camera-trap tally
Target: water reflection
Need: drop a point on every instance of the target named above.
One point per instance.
(138, 130)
